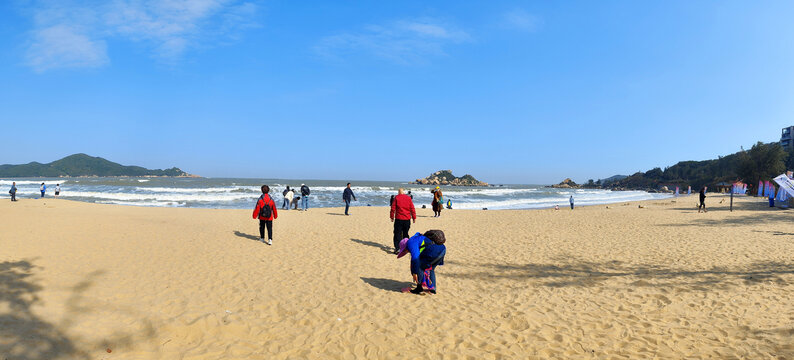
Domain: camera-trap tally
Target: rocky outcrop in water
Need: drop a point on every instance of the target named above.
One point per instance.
(445, 177)
(566, 184)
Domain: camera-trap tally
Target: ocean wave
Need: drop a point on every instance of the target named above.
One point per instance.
(32, 182)
(173, 197)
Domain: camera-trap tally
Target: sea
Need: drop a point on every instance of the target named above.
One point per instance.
(230, 193)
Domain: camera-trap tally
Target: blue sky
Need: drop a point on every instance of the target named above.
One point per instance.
(511, 92)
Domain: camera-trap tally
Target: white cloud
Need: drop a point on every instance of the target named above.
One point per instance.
(403, 42)
(62, 46)
(521, 20)
(73, 34)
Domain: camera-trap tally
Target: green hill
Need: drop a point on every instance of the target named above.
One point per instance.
(82, 165)
(761, 162)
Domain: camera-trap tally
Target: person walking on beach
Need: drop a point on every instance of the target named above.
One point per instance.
(285, 204)
(401, 214)
(571, 200)
(702, 200)
(347, 196)
(43, 189)
(57, 190)
(13, 191)
(305, 197)
(438, 202)
(265, 211)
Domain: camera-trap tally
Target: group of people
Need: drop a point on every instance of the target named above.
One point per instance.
(42, 188)
(427, 250)
(290, 200)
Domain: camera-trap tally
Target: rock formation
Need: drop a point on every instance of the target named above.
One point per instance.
(445, 177)
(566, 184)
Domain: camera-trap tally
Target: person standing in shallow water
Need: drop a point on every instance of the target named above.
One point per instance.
(571, 200)
(43, 189)
(347, 197)
(702, 200)
(265, 210)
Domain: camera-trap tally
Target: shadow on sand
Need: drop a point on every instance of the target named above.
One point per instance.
(26, 336)
(386, 249)
(387, 284)
(29, 337)
(580, 273)
(246, 236)
(337, 214)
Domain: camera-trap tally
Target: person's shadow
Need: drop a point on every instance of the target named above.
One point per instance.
(386, 249)
(387, 284)
(244, 235)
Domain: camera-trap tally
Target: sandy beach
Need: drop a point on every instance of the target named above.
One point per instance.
(89, 281)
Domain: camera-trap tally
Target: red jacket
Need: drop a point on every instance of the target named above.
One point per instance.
(260, 203)
(403, 208)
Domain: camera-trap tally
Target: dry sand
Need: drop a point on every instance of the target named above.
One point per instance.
(663, 281)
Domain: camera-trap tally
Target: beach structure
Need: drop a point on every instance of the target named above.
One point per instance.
(786, 140)
(724, 187)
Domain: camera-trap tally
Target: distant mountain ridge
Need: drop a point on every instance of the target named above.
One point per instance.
(84, 165)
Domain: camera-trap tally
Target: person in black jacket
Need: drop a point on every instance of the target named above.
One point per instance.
(702, 200)
(347, 197)
(305, 197)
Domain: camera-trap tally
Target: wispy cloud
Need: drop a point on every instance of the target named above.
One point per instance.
(403, 42)
(74, 33)
(521, 20)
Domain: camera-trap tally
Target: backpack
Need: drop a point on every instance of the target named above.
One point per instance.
(305, 190)
(265, 211)
(284, 192)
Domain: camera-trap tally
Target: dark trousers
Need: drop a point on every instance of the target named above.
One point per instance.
(347, 206)
(401, 228)
(266, 224)
(13, 196)
(42, 194)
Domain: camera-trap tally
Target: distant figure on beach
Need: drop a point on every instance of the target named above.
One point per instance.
(571, 200)
(43, 189)
(410, 195)
(295, 201)
(13, 191)
(347, 197)
(438, 201)
(265, 211)
(449, 203)
(556, 207)
(285, 203)
(401, 214)
(305, 197)
(427, 252)
(57, 190)
(702, 200)
(288, 197)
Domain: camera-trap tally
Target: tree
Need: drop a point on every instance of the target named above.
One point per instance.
(761, 162)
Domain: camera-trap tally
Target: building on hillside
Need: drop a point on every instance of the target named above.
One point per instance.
(787, 138)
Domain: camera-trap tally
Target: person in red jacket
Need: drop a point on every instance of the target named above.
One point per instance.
(402, 211)
(266, 212)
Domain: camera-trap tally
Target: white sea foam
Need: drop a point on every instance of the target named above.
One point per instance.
(173, 197)
(32, 182)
